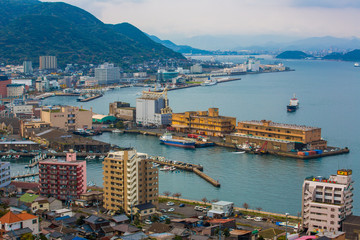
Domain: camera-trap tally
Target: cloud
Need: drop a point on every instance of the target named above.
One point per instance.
(327, 3)
(189, 18)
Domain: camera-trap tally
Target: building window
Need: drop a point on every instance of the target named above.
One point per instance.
(34, 221)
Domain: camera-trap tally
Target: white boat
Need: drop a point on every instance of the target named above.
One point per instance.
(156, 164)
(117, 131)
(101, 157)
(209, 82)
(172, 168)
(356, 65)
(165, 168)
(239, 152)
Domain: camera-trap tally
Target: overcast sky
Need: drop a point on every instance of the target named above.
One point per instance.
(188, 18)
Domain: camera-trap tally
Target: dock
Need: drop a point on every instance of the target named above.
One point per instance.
(197, 169)
(90, 98)
(23, 176)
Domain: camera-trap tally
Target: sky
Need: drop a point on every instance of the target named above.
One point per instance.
(169, 19)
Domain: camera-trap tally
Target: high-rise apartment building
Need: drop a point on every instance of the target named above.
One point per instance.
(62, 179)
(48, 62)
(4, 81)
(326, 202)
(107, 73)
(129, 179)
(28, 69)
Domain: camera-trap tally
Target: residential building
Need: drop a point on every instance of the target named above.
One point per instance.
(129, 180)
(326, 202)
(48, 62)
(42, 84)
(67, 117)
(196, 68)
(208, 123)
(15, 90)
(5, 178)
(46, 204)
(107, 73)
(351, 226)
(12, 222)
(10, 125)
(22, 109)
(123, 111)
(309, 137)
(64, 180)
(221, 209)
(144, 210)
(152, 108)
(4, 81)
(27, 126)
(28, 69)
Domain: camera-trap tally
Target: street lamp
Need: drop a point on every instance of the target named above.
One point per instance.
(286, 223)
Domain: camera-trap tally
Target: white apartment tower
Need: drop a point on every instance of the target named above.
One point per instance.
(327, 201)
(107, 73)
(48, 62)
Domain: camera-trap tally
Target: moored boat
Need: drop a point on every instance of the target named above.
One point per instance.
(209, 82)
(168, 139)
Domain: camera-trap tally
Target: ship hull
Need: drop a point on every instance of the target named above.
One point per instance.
(292, 108)
(178, 144)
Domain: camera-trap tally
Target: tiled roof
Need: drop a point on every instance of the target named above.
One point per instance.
(26, 216)
(10, 217)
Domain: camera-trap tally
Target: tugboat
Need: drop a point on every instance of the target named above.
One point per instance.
(294, 104)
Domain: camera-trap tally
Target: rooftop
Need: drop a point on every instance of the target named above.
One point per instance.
(222, 203)
(280, 125)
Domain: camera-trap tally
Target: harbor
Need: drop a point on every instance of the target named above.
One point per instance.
(251, 98)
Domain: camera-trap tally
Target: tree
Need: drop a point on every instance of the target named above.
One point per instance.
(215, 200)
(204, 199)
(27, 236)
(177, 195)
(177, 237)
(167, 193)
(259, 208)
(226, 232)
(154, 218)
(167, 221)
(246, 206)
(261, 238)
(80, 220)
(119, 125)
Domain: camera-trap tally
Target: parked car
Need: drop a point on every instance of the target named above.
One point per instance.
(198, 208)
(170, 203)
(147, 221)
(258, 219)
(182, 205)
(171, 209)
(163, 210)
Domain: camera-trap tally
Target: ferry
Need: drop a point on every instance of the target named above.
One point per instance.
(209, 82)
(168, 139)
(294, 104)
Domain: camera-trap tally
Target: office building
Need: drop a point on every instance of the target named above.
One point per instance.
(4, 81)
(107, 73)
(208, 123)
(67, 117)
(63, 179)
(48, 62)
(129, 180)
(15, 90)
(196, 68)
(5, 178)
(309, 137)
(152, 108)
(326, 202)
(28, 69)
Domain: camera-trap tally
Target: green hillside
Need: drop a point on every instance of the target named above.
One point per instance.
(293, 55)
(30, 28)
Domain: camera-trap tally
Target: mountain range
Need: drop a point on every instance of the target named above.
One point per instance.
(30, 28)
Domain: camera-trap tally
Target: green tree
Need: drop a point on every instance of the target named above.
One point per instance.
(27, 236)
(226, 232)
(177, 237)
(80, 220)
(154, 218)
(281, 238)
(204, 199)
(167, 221)
(260, 238)
(119, 125)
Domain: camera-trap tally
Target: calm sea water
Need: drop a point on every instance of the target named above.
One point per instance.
(329, 98)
